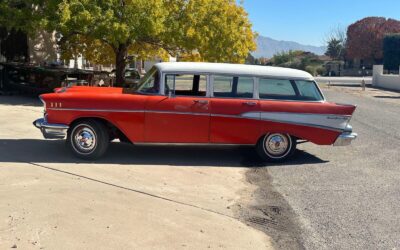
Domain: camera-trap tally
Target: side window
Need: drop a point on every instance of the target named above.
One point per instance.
(308, 91)
(233, 86)
(186, 85)
(276, 89)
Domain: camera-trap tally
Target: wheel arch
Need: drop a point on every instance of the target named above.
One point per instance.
(113, 130)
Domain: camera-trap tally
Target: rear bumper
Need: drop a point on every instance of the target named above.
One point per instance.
(346, 137)
(51, 131)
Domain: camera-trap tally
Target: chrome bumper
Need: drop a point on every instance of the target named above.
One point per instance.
(51, 131)
(346, 137)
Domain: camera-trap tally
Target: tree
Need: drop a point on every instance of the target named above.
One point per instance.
(391, 51)
(336, 43)
(298, 60)
(215, 30)
(335, 49)
(365, 37)
(18, 19)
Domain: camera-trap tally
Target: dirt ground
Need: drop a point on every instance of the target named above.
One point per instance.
(135, 198)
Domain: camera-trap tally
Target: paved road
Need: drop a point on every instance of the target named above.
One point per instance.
(347, 198)
(344, 80)
(325, 198)
(134, 198)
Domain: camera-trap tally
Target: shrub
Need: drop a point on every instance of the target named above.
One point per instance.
(391, 52)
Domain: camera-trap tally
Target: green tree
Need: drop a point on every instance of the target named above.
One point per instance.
(214, 30)
(391, 51)
(335, 49)
(298, 60)
(204, 30)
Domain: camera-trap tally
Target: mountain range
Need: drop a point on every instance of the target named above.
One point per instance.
(268, 47)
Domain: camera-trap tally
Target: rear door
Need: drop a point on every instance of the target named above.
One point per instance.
(182, 114)
(234, 110)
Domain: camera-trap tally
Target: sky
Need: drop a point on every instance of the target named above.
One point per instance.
(310, 21)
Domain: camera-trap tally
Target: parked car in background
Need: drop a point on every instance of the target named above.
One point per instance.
(37, 80)
(132, 78)
(200, 103)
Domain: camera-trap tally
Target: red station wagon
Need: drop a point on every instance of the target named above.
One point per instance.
(200, 103)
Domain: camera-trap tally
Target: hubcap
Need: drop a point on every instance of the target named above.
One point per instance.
(85, 139)
(276, 144)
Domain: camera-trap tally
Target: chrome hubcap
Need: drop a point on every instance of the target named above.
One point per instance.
(85, 139)
(276, 144)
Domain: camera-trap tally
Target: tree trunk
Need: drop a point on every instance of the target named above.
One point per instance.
(120, 63)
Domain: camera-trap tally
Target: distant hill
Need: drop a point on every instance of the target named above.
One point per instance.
(268, 47)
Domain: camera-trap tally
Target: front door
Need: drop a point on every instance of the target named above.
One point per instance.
(182, 115)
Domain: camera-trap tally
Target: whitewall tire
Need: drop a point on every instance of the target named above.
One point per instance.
(276, 147)
(88, 139)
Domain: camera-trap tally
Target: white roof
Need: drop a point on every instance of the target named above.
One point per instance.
(234, 69)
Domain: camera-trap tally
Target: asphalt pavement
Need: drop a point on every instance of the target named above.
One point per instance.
(195, 197)
(342, 197)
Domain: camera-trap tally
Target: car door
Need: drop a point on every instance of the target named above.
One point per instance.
(234, 110)
(182, 113)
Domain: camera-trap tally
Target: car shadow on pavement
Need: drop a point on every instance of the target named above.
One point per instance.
(44, 151)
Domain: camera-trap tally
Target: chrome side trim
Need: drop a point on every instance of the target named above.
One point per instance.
(324, 121)
(176, 112)
(332, 122)
(99, 110)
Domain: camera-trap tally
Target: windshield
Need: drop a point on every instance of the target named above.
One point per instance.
(132, 74)
(150, 83)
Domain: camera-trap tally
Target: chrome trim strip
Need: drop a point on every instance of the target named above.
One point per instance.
(305, 124)
(279, 121)
(333, 122)
(99, 110)
(176, 113)
(334, 119)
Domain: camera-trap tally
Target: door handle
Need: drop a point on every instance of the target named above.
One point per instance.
(250, 103)
(201, 101)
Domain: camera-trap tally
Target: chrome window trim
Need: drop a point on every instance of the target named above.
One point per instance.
(210, 86)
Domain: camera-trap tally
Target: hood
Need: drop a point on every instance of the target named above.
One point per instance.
(98, 90)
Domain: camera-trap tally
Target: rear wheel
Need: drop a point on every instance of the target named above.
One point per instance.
(276, 147)
(88, 139)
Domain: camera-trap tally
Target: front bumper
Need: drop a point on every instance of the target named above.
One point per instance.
(51, 131)
(346, 137)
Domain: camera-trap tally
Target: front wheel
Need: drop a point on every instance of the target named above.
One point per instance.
(88, 139)
(276, 147)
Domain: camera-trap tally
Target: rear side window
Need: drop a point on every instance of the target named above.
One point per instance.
(276, 89)
(233, 86)
(308, 91)
(289, 90)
